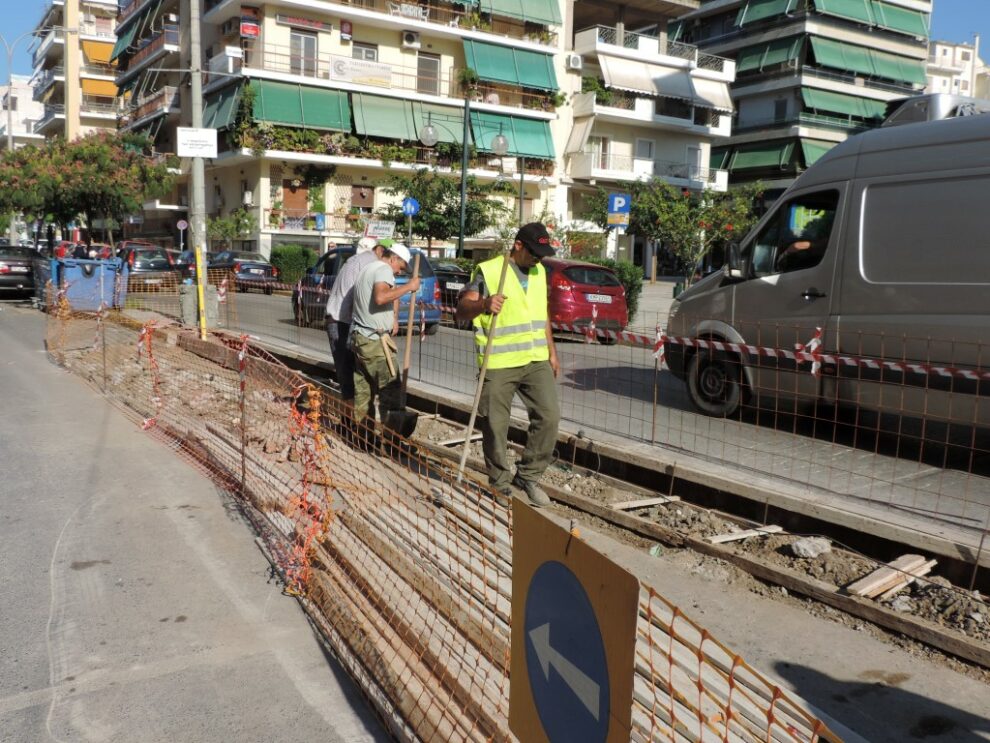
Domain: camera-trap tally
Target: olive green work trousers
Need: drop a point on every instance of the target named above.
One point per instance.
(537, 388)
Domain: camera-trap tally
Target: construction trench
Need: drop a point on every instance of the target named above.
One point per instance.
(407, 573)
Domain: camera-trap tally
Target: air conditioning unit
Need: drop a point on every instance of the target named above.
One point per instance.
(410, 40)
(575, 62)
(231, 27)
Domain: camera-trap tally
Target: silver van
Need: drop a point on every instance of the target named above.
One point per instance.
(867, 283)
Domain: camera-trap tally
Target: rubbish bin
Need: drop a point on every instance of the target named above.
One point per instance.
(189, 304)
(87, 283)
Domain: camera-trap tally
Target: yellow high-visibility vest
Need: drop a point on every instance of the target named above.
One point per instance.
(520, 333)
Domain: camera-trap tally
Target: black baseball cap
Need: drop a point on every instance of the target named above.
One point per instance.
(536, 239)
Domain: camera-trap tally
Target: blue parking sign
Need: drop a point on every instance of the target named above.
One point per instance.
(619, 206)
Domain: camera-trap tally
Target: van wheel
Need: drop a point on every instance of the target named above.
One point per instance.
(713, 384)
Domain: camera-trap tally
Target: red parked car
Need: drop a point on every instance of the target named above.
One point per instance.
(578, 289)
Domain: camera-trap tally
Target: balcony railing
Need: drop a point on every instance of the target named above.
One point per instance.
(154, 44)
(127, 9)
(308, 221)
(850, 78)
(812, 119)
(46, 43)
(98, 104)
(98, 69)
(276, 58)
(447, 15)
(101, 27)
(163, 100)
(639, 167)
(52, 111)
(45, 79)
(657, 45)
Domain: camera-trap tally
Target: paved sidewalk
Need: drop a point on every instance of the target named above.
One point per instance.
(134, 605)
(654, 302)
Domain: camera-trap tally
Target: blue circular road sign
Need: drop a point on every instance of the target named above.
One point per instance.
(565, 657)
(410, 207)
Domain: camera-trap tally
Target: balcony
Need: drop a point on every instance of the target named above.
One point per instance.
(620, 107)
(818, 121)
(101, 28)
(102, 106)
(594, 165)
(164, 101)
(433, 12)
(608, 40)
(46, 79)
(98, 70)
(48, 44)
(369, 75)
(848, 78)
(158, 45)
(53, 113)
(126, 9)
(296, 220)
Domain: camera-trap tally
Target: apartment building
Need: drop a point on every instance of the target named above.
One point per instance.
(73, 75)
(809, 73)
(957, 69)
(17, 102)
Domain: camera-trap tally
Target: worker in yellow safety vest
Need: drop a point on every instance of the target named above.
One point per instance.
(523, 361)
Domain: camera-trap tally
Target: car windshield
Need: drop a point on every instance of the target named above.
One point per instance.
(17, 252)
(151, 255)
(591, 275)
(258, 257)
(449, 267)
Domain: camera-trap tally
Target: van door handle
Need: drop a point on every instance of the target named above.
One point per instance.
(812, 293)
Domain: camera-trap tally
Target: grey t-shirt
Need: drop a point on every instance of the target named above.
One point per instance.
(341, 302)
(372, 319)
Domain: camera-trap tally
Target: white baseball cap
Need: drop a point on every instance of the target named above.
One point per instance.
(365, 244)
(402, 251)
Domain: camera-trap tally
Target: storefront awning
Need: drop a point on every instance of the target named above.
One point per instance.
(502, 64)
(544, 12)
(300, 105)
(220, 110)
(527, 137)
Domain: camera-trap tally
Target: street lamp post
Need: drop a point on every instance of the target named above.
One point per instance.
(9, 48)
(429, 137)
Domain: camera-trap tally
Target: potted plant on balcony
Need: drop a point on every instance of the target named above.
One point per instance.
(469, 81)
(275, 214)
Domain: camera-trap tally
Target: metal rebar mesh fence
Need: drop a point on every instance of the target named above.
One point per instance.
(405, 569)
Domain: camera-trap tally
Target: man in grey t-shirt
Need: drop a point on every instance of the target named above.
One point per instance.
(376, 302)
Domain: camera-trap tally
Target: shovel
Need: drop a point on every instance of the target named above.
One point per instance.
(403, 421)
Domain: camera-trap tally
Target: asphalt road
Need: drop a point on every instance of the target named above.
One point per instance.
(611, 389)
(134, 605)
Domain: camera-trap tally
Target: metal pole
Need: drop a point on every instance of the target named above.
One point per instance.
(197, 201)
(464, 169)
(522, 176)
(11, 229)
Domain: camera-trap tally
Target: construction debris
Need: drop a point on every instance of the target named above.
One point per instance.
(745, 534)
(811, 547)
(891, 578)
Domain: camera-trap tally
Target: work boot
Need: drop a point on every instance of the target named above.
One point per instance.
(536, 496)
(503, 496)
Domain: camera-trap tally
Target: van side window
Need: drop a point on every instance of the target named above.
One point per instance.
(797, 236)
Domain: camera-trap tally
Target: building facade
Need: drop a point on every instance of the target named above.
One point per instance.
(316, 104)
(18, 104)
(957, 69)
(73, 75)
(809, 73)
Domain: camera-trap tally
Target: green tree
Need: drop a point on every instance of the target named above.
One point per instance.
(689, 223)
(439, 198)
(238, 225)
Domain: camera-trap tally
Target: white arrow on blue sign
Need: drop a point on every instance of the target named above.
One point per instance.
(410, 207)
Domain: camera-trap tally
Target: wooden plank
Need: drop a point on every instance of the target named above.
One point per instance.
(908, 580)
(459, 439)
(737, 536)
(884, 577)
(629, 505)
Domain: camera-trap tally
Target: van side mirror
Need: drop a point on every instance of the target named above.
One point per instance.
(733, 268)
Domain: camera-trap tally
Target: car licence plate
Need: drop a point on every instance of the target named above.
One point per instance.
(454, 286)
(20, 269)
(256, 270)
(152, 281)
(599, 298)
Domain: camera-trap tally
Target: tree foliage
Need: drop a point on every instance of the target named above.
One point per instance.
(237, 225)
(689, 223)
(439, 198)
(100, 176)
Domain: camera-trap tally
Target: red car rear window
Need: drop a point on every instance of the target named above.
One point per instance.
(591, 275)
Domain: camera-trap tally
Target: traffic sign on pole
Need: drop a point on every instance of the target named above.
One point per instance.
(410, 207)
(619, 206)
(574, 618)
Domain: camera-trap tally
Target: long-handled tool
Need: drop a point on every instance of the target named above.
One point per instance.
(469, 430)
(403, 421)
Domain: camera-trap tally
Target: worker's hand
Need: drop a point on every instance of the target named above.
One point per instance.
(554, 363)
(395, 326)
(413, 286)
(493, 304)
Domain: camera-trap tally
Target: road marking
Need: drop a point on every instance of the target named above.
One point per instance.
(583, 687)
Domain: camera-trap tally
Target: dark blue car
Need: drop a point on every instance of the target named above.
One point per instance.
(309, 297)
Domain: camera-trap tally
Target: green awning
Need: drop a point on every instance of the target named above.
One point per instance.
(813, 149)
(762, 56)
(502, 64)
(674, 30)
(759, 10)
(762, 156)
(845, 105)
(527, 137)
(840, 56)
(901, 69)
(377, 116)
(544, 12)
(447, 121)
(856, 10)
(896, 18)
(123, 41)
(128, 85)
(720, 158)
(299, 105)
(221, 107)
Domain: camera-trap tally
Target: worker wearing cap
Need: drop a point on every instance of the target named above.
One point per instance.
(374, 322)
(523, 361)
(340, 306)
